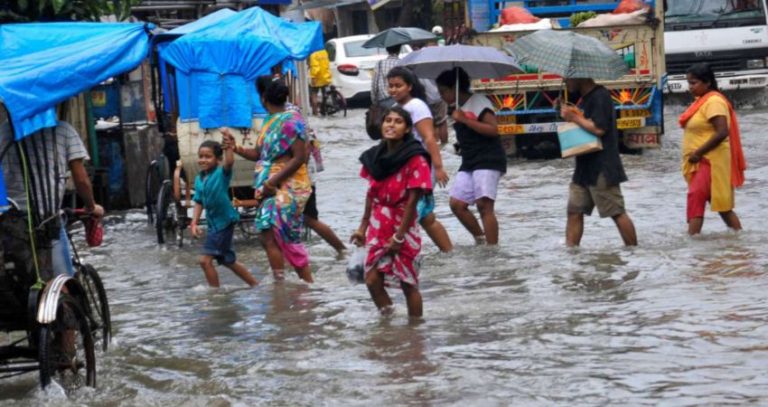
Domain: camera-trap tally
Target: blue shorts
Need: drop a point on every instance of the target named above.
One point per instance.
(219, 245)
(425, 206)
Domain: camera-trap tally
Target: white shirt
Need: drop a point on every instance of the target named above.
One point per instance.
(476, 104)
(419, 111)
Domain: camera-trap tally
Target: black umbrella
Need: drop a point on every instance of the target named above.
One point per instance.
(398, 36)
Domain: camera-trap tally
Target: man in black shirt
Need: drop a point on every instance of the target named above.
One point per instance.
(598, 175)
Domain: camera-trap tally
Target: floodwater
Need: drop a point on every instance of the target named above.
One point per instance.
(677, 321)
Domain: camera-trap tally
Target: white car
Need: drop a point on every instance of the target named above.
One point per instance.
(352, 65)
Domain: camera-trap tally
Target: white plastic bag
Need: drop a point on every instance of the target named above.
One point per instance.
(356, 265)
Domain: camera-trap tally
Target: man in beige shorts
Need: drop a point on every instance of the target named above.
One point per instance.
(598, 175)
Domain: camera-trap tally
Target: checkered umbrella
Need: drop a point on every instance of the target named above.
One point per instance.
(569, 55)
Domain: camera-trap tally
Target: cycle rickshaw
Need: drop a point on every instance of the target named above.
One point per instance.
(53, 323)
(203, 94)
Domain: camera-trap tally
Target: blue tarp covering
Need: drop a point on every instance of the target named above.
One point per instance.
(207, 21)
(217, 63)
(46, 63)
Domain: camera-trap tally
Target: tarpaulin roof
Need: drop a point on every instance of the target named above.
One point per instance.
(217, 64)
(207, 21)
(301, 39)
(47, 63)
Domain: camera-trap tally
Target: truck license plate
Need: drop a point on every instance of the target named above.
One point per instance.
(625, 114)
(630, 123)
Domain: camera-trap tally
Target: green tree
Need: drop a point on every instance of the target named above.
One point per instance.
(63, 10)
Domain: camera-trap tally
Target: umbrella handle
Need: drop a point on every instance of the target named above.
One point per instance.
(456, 101)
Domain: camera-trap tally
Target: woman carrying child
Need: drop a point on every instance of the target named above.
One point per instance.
(398, 174)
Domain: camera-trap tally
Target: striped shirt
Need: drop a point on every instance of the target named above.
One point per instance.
(380, 87)
(39, 149)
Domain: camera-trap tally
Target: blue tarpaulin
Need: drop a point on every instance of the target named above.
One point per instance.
(44, 64)
(47, 63)
(217, 63)
(207, 21)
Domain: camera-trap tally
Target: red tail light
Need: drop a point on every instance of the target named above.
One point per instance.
(349, 69)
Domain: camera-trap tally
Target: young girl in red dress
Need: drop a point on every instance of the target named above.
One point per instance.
(398, 171)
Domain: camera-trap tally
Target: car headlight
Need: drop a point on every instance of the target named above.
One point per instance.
(755, 63)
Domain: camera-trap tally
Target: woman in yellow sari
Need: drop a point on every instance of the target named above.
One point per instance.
(713, 160)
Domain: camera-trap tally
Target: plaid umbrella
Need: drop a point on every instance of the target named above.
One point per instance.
(398, 36)
(569, 55)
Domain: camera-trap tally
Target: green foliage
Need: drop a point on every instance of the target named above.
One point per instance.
(62, 10)
(578, 18)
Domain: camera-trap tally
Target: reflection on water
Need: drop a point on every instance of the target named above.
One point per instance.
(675, 321)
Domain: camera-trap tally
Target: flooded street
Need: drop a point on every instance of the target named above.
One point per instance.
(676, 321)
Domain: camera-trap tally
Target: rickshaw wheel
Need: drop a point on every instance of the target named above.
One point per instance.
(98, 313)
(167, 222)
(246, 224)
(156, 173)
(76, 366)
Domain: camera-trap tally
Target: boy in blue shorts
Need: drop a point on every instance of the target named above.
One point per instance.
(211, 194)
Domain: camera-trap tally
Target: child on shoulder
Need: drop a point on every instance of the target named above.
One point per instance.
(211, 194)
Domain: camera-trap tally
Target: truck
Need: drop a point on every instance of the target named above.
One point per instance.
(526, 103)
(730, 35)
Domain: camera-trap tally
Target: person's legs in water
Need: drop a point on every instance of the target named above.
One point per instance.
(699, 193)
(731, 220)
(436, 231)
(574, 229)
(428, 221)
(274, 255)
(305, 273)
(579, 203)
(325, 232)
(610, 203)
(374, 280)
(413, 299)
(242, 272)
(206, 263)
(461, 210)
(626, 229)
(313, 100)
(490, 224)
(462, 194)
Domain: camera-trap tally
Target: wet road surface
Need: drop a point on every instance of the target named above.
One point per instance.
(676, 321)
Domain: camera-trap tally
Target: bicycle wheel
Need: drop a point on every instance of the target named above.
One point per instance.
(247, 222)
(65, 348)
(154, 180)
(338, 101)
(167, 221)
(98, 310)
